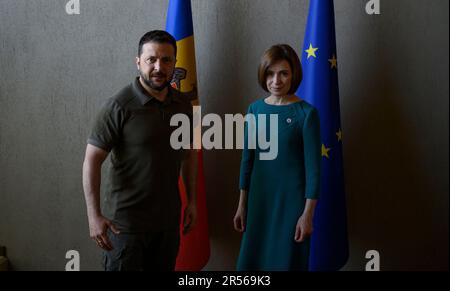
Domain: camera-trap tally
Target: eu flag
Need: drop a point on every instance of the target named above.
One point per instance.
(194, 247)
(329, 241)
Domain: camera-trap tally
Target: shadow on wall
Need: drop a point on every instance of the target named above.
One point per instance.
(391, 199)
(220, 71)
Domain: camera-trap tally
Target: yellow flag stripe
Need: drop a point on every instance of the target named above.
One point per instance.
(186, 60)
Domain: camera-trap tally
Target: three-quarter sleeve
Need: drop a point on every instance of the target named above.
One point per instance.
(312, 154)
(248, 156)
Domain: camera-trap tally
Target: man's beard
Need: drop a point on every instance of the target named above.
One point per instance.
(152, 85)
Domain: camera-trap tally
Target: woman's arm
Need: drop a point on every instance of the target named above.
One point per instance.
(304, 226)
(241, 212)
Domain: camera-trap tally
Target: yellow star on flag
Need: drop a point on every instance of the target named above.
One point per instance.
(311, 51)
(339, 135)
(325, 151)
(333, 62)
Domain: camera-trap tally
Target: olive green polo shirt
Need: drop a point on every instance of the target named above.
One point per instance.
(135, 128)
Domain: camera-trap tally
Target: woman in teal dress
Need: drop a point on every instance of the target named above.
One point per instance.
(278, 196)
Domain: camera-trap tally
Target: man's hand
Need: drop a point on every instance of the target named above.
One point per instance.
(190, 218)
(98, 227)
(189, 176)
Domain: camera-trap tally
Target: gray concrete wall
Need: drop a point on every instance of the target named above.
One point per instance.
(55, 69)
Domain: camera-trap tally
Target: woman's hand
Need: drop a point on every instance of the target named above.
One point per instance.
(304, 227)
(239, 219)
(241, 213)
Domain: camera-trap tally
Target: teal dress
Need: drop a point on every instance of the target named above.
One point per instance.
(278, 188)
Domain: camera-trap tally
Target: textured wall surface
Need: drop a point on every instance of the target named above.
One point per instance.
(56, 69)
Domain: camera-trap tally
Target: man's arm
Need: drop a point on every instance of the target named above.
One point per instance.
(189, 176)
(98, 225)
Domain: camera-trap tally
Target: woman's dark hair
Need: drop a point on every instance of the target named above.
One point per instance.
(278, 53)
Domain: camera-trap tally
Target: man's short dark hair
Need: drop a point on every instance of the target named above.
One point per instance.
(158, 36)
(278, 53)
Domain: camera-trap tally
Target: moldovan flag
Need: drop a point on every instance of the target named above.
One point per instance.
(194, 247)
(329, 241)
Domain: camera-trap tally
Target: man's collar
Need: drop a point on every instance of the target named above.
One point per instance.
(145, 97)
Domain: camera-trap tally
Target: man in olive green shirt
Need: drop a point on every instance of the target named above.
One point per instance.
(139, 227)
